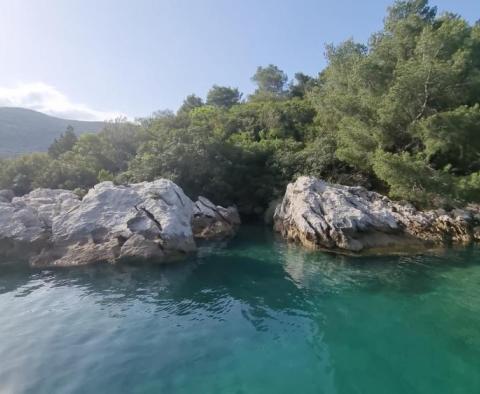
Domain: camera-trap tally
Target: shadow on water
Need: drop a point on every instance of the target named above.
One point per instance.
(352, 321)
(255, 268)
(323, 275)
(218, 276)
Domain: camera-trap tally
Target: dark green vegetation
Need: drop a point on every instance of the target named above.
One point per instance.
(23, 130)
(400, 114)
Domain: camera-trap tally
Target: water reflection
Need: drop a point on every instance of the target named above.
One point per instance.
(256, 270)
(257, 312)
(330, 274)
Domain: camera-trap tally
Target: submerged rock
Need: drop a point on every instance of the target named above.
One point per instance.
(320, 215)
(149, 220)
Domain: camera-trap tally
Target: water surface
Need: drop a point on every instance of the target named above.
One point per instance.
(257, 316)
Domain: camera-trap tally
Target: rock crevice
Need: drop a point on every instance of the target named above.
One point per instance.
(321, 215)
(149, 220)
(212, 221)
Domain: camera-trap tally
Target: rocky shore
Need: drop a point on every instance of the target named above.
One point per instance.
(149, 220)
(157, 221)
(320, 215)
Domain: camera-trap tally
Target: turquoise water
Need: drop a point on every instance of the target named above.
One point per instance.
(256, 317)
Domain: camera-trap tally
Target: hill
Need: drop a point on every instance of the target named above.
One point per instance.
(23, 130)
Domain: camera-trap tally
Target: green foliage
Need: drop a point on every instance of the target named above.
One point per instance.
(63, 144)
(24, 173)
(67, 173)
(120, 141)
(411, 178)
(266, 119)
(104, 175)
(452, 138)
(192, 156)
(357, 142)
(469, 187)
(400, 115)
(301, 84)
(24, 131)
(405, 109)
(270, 81)
(74, 162)
(402, 10)
(192, 101)
(223, 96)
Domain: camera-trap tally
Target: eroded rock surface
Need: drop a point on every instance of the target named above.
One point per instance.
(212, 221)
(6, 195)
(149, 220)
(322, 215)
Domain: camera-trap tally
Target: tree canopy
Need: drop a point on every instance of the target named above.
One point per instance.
(223, 96)
(399, 114)
(270, 80)
(63, 144)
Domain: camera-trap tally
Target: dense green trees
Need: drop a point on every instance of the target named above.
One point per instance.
(400, 115)
(91, 158)
(64, 143)
(191, 101)
(223, 96)
(405, 108)
(270, 80)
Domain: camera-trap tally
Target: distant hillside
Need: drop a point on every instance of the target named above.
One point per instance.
(23, 130)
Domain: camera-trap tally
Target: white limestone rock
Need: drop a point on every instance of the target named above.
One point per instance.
(6, 195)
(48, 203)
(156, 212)
(20, 223)
(211, 221)
(25, 222)
(322, 215)
(148, 220)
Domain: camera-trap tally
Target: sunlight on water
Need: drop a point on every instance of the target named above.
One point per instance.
(256, 317)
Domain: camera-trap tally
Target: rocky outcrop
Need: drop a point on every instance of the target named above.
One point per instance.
(149, 220)
(214, 222)
(6, 195)
(320, 215)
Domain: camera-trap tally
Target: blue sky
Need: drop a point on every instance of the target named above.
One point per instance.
(96, 58)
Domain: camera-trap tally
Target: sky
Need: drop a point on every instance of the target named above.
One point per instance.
(99, 59)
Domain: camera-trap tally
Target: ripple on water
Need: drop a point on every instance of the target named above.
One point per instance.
(257, 317)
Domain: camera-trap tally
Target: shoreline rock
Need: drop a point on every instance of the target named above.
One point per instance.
(213, 222)
(6, 195)
(320, 215)
(148, 220)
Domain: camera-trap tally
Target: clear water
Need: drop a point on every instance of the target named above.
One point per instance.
(256, 317)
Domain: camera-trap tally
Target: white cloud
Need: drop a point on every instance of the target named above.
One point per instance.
(45, 98)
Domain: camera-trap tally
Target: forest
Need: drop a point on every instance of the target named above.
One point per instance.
(399, 115)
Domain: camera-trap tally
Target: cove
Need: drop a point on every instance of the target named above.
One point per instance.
(252, 315)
